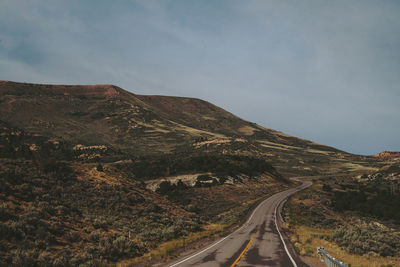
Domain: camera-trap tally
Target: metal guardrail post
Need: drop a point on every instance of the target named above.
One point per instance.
(328, 259)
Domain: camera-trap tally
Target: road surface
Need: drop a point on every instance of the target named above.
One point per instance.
(257, 243)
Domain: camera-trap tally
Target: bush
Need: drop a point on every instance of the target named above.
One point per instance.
(369, 201)
(308, 251)
(5, 212)
(45, 259)
(100, 168)
(100, 223)
(222, 179)
(24, 257)
(11, 230)
(165, 187)
(95, 236)
(73, 236)
(114, 247)
(327, 188)
(363, 240)
(124, 247)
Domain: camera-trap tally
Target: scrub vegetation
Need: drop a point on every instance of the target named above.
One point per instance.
(76, 162)
(358, 215)
(59, 210)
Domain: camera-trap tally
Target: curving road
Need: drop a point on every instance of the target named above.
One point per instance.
(258, 242)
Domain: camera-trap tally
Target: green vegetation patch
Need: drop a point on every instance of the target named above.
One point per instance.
(368, 240)
(221, 165)
(369, 200)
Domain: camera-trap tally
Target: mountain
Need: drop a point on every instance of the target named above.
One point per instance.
(138, 125)
(94, 174)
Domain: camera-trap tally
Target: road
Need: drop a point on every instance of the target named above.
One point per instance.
(258, 242)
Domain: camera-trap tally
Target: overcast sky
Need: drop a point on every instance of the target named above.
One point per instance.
(327, 71)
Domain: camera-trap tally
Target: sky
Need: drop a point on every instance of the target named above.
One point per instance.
(327, 71)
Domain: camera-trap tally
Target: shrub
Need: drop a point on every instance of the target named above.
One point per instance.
(5, 212)
(45, 259)
(73, 236)
(24, 257)
(363, 240)
(222, 179)
(100, 168)
(100, 223)
(61, 261)
(165, 187)
(11, 230)
(308, 251)
(95, 236)
(124, 247)
(327, 188)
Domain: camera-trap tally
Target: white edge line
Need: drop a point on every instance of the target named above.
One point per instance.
(247, 222)
(198, 253)
(276, 223)
(280, 235)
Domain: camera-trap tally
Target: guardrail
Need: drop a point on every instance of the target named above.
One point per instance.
(328, 259)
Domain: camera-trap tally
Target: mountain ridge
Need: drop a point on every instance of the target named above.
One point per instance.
(140, 125)
(185, 110)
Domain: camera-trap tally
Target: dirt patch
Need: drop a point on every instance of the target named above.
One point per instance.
(247, 130)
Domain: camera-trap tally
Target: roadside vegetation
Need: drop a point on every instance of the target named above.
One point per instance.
(221, 165)
(356, 218)
(78, 165)
(59, 209)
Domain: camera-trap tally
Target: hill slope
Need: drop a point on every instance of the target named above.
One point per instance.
(138, 125)
(95, 174)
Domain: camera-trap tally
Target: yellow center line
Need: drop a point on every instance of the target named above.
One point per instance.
(241, 254)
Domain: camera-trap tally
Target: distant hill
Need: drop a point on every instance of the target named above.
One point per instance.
(109, 114)
(388, 155)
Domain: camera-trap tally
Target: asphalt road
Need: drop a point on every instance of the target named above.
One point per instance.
(257, 243)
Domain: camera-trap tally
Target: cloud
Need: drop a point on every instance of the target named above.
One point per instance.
(326, 71)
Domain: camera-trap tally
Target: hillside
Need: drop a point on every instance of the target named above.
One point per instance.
(388, 155)
(95, 174)
(137, 125)
(108, 114)
(354, 217)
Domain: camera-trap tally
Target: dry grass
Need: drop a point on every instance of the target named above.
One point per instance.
(319, 151)
(168, 250)
(209, 118)
(306, 238)
(194, 131)
(90, 172)
(357, 167)
(247, 130)
(276, 145)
